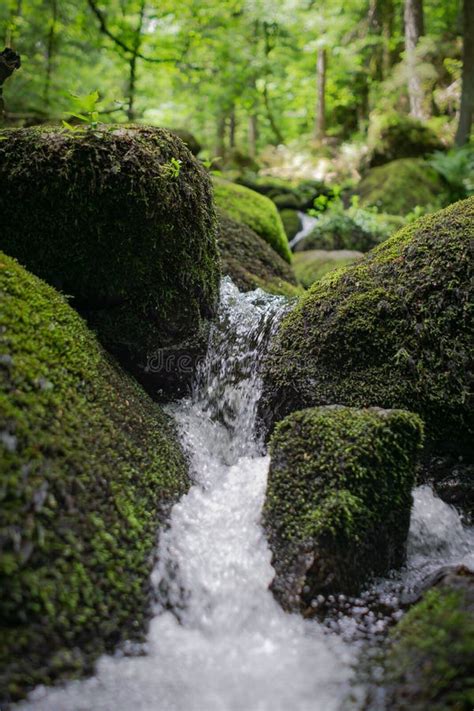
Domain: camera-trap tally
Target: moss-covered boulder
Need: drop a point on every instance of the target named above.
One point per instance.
(254, 210)
(394, 135)
(291, 222)
(122, 219)
(251, 262)
(354, 228)
(393, 330)
(188, 138)
(400, 186)
(312, 265)
(430, 661)
(285, 194)
(338, 499)
(87, 464)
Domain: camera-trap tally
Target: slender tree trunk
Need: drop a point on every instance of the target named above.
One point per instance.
(132, 74)
(466, 114)
(320, 121)
(50, 53)
(221, 135)
(232, 128)
(414, 29)
(271, 118)
(253, 134)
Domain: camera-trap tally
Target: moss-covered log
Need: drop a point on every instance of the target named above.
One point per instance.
(393, 330)
(251, 262)
(122, 219)
(88, 462)
(338, 499)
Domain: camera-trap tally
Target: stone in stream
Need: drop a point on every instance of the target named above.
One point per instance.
(312, 265)
(121, 219)
(338, 501)
(87, 462)
(394, 330)
(430, 658)
(251, 262)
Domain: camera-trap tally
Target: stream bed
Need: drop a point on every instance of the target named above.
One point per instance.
(218, 641)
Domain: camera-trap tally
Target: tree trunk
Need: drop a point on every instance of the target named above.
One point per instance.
(9, 61)
(414, 29)
(253, 134)
(132, 74)
(50, 53)
(220, 136)
(320, 122)
(232, 128)
(466, 113)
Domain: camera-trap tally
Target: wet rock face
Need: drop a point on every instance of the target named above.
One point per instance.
(431, 652)
(122, 220)
(338, 500)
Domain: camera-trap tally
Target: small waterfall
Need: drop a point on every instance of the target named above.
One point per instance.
(218, 641)
(308, 224)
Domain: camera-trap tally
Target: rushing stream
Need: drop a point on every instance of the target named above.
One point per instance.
(218, 640)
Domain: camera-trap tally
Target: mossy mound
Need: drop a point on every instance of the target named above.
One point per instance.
(431, 654)
(287, 195)
(354, 229)
(291, 222)
(188, 138)
(254, 210)
(393, 136)
(400, 186)
(251, 262)
(338, 499)
(87, 462)
(122, 219)
(393, 331)
(312, 265)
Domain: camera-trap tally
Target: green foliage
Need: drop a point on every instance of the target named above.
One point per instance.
(128, 220)
(401, 186)
(339, 489)
(254, 210)
(393, 330)
(88, 461)
(87, 106)
(456, 167)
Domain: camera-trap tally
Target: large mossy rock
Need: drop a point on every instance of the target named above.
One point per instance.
(122, 219)
(312, 265)
(254, 210)
(393, 330)
(338, 499)
(251, 262)
(400, 186)
(88, 464)
(291, 222)
(393, 136)
(430, 661)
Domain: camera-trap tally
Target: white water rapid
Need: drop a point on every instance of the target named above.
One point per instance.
(218, 641)
(308, 223)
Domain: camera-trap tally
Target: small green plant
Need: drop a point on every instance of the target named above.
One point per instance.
(85, 109)
(172, 169)
(456, 167)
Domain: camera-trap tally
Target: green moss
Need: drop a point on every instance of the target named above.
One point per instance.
(291, 222)
(392, 331)
(402, 185)
(122, 219)
(254, 210)
(286, 194)
(338, 498)
(312, 265)
(88, 462)
(431, 658)
(251, 262)
(393, 136)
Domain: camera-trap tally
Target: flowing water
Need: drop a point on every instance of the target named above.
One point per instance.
(218, 641)
(308, 223)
